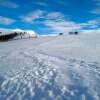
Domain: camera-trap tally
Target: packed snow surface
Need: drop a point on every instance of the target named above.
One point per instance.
(51, 68)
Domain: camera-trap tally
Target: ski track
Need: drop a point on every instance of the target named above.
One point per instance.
(45, 80)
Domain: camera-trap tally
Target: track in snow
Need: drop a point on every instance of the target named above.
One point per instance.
(45, 80)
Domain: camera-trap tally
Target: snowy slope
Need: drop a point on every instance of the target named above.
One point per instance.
(51, 68)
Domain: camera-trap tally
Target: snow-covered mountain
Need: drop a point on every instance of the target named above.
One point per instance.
(25, 33)
(63, 67)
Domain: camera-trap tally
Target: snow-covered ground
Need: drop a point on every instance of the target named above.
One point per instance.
(51, 68)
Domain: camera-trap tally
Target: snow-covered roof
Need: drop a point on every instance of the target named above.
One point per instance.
(18, 30)
(29, 32)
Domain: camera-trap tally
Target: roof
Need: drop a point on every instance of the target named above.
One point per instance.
(28, 32)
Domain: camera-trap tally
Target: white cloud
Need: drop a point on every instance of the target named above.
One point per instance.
(55, 15)
(9, 4)
(91, 24)
(57, 22)
(62, 26)
(29, 18)
(6, 21)
(37, 14)
(94, 22)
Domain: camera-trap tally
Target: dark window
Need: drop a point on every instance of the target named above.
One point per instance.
(60, 33)
(76, 33)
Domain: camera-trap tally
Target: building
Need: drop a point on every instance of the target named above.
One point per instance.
(6, 35)
(73, 33)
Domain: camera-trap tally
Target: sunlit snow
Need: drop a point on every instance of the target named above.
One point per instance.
(51, 68)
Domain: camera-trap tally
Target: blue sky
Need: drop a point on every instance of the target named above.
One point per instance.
(50, 16)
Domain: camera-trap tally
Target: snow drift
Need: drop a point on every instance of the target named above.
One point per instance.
(63, 67)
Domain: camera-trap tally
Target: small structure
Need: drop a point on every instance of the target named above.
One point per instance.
(6, 35)
(73, 33)
(60, 33)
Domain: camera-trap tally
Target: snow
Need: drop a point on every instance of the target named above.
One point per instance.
(28, 33)
(63, 67)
